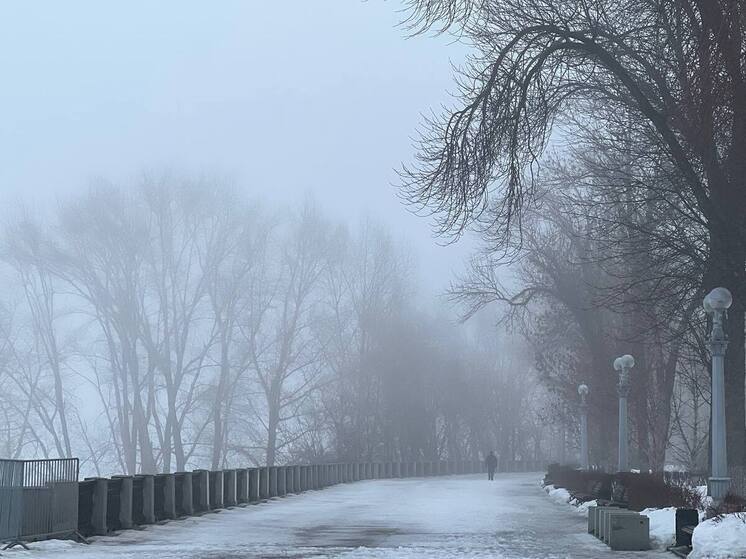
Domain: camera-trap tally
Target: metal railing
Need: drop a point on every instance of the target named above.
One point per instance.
(44, 499)
(38, 499)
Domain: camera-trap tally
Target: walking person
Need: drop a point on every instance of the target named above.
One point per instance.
(491, 463)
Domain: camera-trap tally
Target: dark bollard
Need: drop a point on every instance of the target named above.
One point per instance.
(201, 490)
(289, 485)
(242, 486)
(125, 502)
(273, 481)
(169, 495)
(216, 489)
(296, 479)
(230, 488)
(264, 482)
(281, 481)
(148, 498)
(254, 485)
(184, 494)
(100, 500)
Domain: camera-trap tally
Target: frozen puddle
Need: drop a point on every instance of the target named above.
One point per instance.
(448, 517)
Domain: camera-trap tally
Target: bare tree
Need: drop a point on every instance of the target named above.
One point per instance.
(675, 66)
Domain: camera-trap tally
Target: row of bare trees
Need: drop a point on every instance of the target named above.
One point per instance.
(639, 212)
(177, 323)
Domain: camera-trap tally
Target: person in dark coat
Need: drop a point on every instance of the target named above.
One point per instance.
(491, 463)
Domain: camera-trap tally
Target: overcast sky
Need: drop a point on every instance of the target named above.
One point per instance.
(284, 97)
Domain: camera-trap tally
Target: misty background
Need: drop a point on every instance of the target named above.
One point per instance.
(281, 98)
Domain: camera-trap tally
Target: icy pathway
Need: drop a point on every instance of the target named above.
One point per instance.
(448, 517)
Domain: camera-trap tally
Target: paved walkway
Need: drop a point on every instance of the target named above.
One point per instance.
(436, 518)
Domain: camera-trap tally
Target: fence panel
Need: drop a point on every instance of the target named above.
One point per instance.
(38, 498)
(11, 499)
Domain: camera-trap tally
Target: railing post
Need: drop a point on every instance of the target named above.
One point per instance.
(125, 502)
(242, 486)
(273, 481)
(254, 485)
(187, 497)
(201, 480)
(216, 484)
(281, 485)
(100, 498)
(264, 482)
(148, 498)
(229, 493)
(169, 495)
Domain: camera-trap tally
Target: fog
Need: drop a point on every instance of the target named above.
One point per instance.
(410, 235)
(282, 98)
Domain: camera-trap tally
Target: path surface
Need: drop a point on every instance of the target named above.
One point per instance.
(436, 518)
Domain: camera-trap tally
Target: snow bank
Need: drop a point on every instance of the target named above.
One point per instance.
(662, 527)
(563, 497)
(558, 494)
(720, 539)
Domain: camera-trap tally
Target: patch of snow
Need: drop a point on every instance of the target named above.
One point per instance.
(583, 507)
(559, 494)
(662, 527)
(724, 538)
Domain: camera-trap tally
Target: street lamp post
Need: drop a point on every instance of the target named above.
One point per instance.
(716, 303)
(584, 457)
(623, 364)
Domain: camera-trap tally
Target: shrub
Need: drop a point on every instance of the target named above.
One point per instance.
(639, 491)
(579, 482)
(732, 503)
(642, 491)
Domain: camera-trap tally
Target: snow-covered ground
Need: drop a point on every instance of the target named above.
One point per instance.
(724, 538)
(436, 518)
